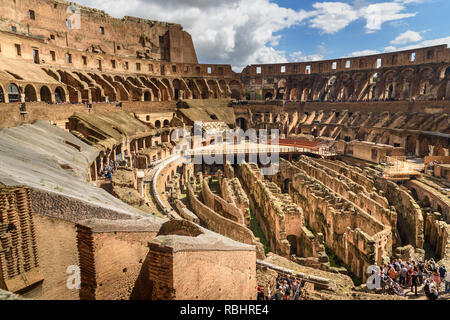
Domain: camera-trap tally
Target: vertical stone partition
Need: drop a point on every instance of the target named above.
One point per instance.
(19, 263)
(113, 257)
(187, 262)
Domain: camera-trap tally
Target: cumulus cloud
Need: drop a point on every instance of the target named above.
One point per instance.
(242, 32)
(425, 43)
(407, 37)
(363, 53)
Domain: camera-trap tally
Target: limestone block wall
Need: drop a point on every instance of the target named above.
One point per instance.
(196, 264)
(113, 257)
(370, 202)
(19, 261)
(57, 249)
(409, 215)
(232, 192)
(214, 202)
(437, 234)
(430, 197)
(277, 215)
(215, 222)
(350, 232)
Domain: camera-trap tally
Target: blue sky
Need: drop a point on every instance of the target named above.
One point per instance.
(243, 32)
(432, 21)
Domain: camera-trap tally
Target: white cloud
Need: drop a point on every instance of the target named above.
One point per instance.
(363, 53)
(331, 17)
(242, 32)
(407, 37)
(298, 56)
(426, 43)
(378, 13)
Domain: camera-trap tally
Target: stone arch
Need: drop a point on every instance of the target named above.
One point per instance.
(268, 96)
(426, 203)
(13, 93)
(292, 239)
(242, 123)
(162, 89)
(147, 96)
(281, 89)
(166, 123)
(287, 185)
(169, 87)
(443, 91)
(424, 147)
(236, 89)
(411, 145)
(96, 94)
(445, 72)
(46, 95)
(30, 93)
(158, 124)
(60, 95)
(414, 194)
(214, 87)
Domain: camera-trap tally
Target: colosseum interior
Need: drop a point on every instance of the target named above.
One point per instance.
(93, 182)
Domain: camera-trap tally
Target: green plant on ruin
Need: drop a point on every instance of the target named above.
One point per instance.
(58, 188)
(256, 228)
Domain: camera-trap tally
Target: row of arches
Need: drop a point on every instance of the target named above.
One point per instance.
(425, 83)
(15, 93)
(97, 87)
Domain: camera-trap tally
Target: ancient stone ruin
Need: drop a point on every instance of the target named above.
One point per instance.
(98, 200)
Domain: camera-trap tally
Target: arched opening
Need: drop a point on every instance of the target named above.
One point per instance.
(268, 96)
(2, 96)
(13, 93)
(424, 148)
(46, 96)
(410, 147)
(426, 202)
(166, 123)
(96, 94)
(241, 123)
(414, 194)
(158, 124)
(60, 95)
(30, 94)
(445, 73)
(293, 242)
(286, 185)
(177, 94)
(236, 90)
(147, 96)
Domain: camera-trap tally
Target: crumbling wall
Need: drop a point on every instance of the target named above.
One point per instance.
(275, 212)
(215, 222)
(187, 262)
(19, 261)
(409, 215)
(357, 238)
(437, 234)
(214, 202)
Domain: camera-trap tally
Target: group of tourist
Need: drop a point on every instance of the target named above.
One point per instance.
(399, 276)
(286, 288)
(108, 170)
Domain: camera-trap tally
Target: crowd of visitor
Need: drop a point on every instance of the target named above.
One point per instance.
(108, 170)
(399, 276)
(286, 288)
